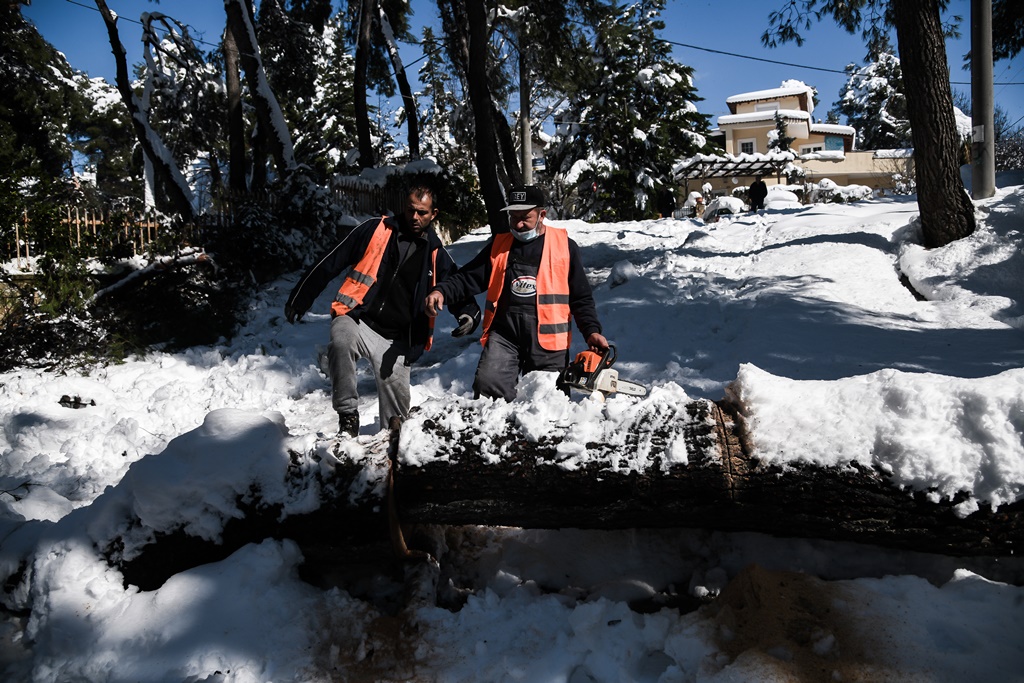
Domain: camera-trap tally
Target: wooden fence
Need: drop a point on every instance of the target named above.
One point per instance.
(350, 195)
(87, 226)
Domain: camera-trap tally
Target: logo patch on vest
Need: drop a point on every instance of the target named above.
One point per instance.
(524, 286)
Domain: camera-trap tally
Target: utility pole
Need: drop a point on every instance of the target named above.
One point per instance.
(983, 147)
(524, 111)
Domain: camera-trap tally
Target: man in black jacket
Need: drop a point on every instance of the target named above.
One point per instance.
(378, 313)
(535, 284)
(757, 192)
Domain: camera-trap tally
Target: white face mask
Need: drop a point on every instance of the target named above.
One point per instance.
(528, 235)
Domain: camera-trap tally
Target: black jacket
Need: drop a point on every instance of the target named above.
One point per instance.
(374, 309)
(475, 276)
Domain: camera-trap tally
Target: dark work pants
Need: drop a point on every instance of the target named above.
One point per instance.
(510, 352)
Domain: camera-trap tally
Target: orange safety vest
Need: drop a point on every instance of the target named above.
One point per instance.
(361, 277)
(553, 330)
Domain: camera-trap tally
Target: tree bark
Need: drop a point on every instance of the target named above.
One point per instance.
(487, 156)
(272, 128)
(237, 172)
(947, 213)
(359, 85)
(510, 170)
(408, 101)
(719, 487)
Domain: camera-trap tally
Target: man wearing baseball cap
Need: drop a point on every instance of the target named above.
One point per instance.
(535, 284)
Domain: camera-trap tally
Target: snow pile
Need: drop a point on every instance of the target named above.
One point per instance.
(800, 314)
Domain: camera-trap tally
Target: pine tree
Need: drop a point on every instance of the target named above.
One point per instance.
(108, 143)
(334, 106)
(39, 103)
(780, 140)
(873, 101)
(442, 114)
(631, 116)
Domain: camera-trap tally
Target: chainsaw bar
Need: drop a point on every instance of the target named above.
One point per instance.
(631, 388)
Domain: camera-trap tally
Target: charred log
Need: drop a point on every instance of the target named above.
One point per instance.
(718, 486)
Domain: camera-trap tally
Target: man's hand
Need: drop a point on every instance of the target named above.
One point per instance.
(291, 315)
(597, 342)
(467, 324)
(434, 303)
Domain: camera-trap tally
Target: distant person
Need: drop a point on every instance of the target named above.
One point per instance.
(378, 312)
(757, 192)
(536, 286)
(667, 202)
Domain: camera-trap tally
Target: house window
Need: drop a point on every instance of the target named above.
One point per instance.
(766, 106)
(810, 149)
(747, 146)
(834, 143)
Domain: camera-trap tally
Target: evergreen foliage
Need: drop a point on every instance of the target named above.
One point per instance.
(447, 124)
(781, 140)
(630, 117)
(873, 101)
(1007, 28)
(186, 100)
(1009, 152)
(40, 106)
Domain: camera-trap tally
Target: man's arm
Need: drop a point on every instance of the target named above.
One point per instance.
(463, 284)
(466, 311)
(326, 268)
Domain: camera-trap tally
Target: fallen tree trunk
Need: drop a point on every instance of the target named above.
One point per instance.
(666, 466)
(719, 487)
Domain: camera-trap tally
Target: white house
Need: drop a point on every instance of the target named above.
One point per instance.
(819, 150)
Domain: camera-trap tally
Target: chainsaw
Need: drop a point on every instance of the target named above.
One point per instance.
(592, 372)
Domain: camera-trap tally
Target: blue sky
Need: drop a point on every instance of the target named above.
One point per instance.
(726, 26)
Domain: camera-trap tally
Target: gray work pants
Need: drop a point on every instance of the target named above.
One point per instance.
(503, 360)
(351, 341)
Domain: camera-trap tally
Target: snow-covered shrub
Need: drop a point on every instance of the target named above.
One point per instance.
(1009, 152)
(903, 185)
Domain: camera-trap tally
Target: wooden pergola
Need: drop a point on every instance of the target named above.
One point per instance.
(705, 166)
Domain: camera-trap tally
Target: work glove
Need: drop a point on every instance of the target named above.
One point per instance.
(467, 324)
(291, 315)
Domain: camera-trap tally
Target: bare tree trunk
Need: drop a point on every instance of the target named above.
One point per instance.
(272, 127)
(510, 170)
(487, 157)
(237, 171)
(166, 174)
(947, 213)
(359, 85)
(408, 101)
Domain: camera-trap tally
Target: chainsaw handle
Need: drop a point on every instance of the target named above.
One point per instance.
(608, 357)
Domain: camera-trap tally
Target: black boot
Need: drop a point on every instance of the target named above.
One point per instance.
(348, 423)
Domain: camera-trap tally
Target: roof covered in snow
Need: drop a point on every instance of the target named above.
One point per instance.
(789, 88)
(833, 129)
(763, 116)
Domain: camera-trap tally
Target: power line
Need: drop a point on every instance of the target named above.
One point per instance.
(193, 31)
(797, 66)
(756, 59)
(670, 42)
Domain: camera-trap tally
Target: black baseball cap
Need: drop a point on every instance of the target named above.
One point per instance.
(526, 197)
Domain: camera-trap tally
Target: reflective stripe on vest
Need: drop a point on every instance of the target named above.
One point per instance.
(553, 330)
(433, 282)
(359, 280)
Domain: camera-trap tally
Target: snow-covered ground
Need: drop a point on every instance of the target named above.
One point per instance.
(782, 309)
